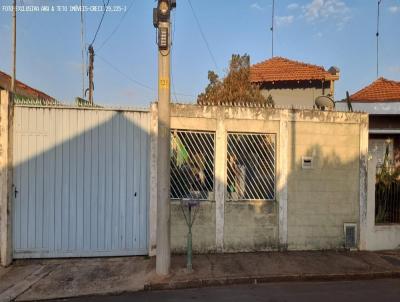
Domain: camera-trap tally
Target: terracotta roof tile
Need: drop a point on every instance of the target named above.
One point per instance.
(381, 90)
(22, 89)
(282, 69)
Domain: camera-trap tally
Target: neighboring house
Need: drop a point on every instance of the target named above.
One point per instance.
(381, 99)
(22, 90)
(293, 83)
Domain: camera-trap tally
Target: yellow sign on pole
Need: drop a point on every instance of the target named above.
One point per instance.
(164, 83)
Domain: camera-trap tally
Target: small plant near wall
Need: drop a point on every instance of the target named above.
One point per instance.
(387, 172)
(387, 191)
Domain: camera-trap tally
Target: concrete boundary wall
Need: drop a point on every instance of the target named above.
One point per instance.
(268, 228)
(222, 120)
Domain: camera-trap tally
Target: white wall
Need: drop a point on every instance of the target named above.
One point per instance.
(378, 237)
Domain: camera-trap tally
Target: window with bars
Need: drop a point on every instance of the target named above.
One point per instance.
(251, 166)
(192, 165)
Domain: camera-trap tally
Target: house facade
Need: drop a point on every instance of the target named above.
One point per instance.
(266, 179)
(293, 83)
(381, 99)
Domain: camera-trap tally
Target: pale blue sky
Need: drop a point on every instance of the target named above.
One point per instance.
(322, 32)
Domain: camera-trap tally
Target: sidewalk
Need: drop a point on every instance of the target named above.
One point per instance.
(50, 279)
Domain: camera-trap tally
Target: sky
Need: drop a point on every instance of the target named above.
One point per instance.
(323, 32)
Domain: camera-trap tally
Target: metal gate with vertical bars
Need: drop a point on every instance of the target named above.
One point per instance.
(80, 182)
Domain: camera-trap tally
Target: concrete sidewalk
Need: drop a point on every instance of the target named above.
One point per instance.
(55, 279)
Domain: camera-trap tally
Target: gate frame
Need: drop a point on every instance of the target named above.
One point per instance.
(6, 242)
(6, 177)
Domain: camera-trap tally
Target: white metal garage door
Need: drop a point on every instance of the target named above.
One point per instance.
(81, 182)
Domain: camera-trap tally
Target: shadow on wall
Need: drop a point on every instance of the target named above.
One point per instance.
(80, 180)
(81, 188)
(322, 197)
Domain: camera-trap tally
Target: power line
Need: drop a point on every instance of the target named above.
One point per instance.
(124, 74)
(272, 28)
(118, 25)
(172, 69)
(148, 87)
(203, 35)
(377, 39)
(101, 20)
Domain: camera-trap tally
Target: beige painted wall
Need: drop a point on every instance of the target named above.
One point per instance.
(297, 97)
(203, 231)
(251, 226)
(311, 205)
(322, 199)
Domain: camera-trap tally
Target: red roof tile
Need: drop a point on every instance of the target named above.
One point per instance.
(381, 90)
(282, 69)
(22, 89)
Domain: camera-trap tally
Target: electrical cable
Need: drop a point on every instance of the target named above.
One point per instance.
(203, 36)
(272, 28)
(124, 74)
(377, 39)
(172, 74)
(101, 20)
(148, 87)
(118, 25)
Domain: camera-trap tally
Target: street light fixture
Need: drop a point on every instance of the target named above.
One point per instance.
(162, 14)
(163, 8)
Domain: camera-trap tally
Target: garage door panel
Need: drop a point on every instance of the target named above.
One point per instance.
(82, 181)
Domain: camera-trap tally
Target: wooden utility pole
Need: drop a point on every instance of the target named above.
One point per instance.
(14, 48)
(91, 85)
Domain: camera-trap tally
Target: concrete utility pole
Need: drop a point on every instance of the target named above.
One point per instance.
(91, 85)
(14, 49)
(161, 20)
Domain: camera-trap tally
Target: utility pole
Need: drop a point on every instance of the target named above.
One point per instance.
(161, 20)
(91, 85)
(14, 49)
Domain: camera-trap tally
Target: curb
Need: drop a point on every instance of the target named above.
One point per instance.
(213, 282)
(77, 296)
(199, 283)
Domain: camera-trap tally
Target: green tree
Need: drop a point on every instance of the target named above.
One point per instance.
(235, 88)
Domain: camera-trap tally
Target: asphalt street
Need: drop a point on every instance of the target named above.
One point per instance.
(385, 290)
